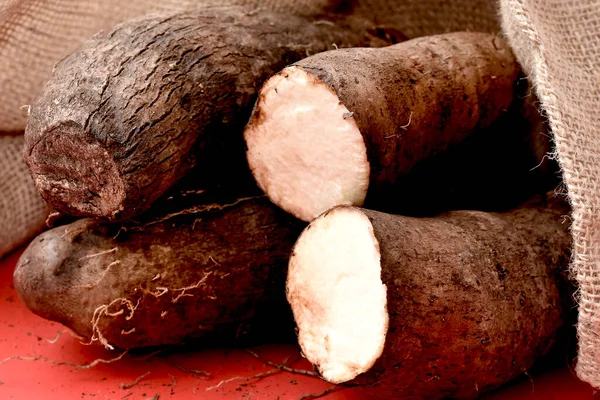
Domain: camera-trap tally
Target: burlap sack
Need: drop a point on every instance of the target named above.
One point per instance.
(22, 211)
(429, 17)
(558, 42)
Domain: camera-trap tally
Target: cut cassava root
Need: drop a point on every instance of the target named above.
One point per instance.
(157, 95)
(333, 125)
(209, 271)
(451, 306)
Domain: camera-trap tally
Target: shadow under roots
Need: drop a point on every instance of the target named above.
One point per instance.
(494, 170)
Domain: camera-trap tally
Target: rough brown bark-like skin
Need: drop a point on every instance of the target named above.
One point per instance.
(231, 258)
(415, 99)
(132, 110)
(473, 298)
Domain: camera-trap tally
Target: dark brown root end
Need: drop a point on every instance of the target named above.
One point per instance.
(76, 175)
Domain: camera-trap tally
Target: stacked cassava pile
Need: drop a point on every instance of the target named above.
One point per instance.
(231, 162)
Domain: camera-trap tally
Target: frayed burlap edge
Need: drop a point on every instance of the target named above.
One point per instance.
(558, 43)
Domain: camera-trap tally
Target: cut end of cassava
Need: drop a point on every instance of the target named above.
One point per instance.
(304, 147)
(75, 174)
(335, 290)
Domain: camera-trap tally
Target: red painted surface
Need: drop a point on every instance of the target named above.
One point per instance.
(227, 372)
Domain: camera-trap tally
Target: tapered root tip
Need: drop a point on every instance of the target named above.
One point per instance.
(36, 273)
(335, 290)
(304, 147)
(75, 174)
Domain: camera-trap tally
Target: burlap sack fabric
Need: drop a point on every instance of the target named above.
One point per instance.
(22, 211)
(558, 41)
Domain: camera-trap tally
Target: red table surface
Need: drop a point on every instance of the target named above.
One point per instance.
(31, 367)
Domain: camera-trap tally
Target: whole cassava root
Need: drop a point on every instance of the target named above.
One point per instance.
(335, 125)
(451, 306)
(133, 109)
(210, 271)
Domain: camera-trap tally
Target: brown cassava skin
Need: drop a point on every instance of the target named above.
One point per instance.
(473, 298)
(132, 110)
(232, 260)
(414, 100)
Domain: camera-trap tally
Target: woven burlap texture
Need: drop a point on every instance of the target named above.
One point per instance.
(429, 17)
(22, 211)
(558, 42)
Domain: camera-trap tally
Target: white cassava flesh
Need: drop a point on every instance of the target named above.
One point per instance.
(306, 137)
(335, 290)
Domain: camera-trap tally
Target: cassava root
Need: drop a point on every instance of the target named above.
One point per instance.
(446, 307)
(217, 270)
(129, 113)
(335, 126)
